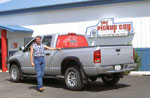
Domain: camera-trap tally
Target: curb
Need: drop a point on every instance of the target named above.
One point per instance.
(139, 73)
(1, 71)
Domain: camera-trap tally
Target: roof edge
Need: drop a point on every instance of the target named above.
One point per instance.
(64, 6)
(14, 28)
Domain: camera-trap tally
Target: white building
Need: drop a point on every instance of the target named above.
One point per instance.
(63, 16)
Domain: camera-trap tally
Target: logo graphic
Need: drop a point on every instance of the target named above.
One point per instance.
(14, 45)
(71, 40)
(107, 27)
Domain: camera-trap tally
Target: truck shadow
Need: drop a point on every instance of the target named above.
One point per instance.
(100, 86)
(97, 86)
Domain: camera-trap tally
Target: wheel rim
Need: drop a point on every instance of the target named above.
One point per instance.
(72, 79)
(14, 73)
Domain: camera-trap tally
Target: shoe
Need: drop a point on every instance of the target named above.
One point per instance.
(41, 89)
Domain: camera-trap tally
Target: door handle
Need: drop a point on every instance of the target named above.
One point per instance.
(117, 50)
(47, 53)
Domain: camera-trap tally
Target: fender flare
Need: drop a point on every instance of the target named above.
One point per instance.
(76, 59)
(18, 64)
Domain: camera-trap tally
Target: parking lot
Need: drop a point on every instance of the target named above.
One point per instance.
(128, 87)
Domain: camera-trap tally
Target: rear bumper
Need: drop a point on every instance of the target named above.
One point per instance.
(111, 69)
(98, 69)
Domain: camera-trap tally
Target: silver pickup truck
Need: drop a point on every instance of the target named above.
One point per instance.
(76, 61)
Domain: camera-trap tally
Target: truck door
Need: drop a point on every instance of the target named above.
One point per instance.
(25, 59)
(48, 54)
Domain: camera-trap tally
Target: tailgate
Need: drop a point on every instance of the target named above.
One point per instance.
(112, 55)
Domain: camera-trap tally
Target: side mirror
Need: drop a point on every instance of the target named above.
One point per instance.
(21, 48)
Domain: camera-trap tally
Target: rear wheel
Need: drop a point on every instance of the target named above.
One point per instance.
(110, 79)
(15, 74)
(73, 78)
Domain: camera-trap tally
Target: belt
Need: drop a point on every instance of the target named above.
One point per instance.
(38, 56)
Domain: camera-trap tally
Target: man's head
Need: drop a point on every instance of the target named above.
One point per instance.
(38, 39)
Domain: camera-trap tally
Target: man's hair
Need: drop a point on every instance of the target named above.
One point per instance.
(38, 37)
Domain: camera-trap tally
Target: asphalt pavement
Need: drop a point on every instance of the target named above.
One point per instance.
(128, 87)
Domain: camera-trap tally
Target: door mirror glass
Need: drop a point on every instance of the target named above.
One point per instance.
(21, 48)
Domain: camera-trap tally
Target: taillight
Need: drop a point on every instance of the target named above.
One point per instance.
(97, 56)
(133, 54)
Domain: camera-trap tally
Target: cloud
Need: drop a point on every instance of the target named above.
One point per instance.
(3, 1)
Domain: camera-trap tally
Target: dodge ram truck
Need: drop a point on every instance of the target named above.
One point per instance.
(76, 62)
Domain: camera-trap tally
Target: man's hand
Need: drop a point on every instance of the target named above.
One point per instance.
(31, 56)
(50, 48)
(32, 64)
(58, 48)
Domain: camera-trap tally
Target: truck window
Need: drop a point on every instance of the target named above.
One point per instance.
(47, 40)
(70, 41)
(27, 48)
(27, 40)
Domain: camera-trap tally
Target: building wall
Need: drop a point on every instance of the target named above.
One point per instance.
(78, 19)
(144, 54)
(15, 38)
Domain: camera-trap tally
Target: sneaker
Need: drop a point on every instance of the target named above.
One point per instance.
(41, 89)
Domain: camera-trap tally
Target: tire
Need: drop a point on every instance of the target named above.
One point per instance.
(15, 74)
(110, 79)
(93, 78)
(73, 79)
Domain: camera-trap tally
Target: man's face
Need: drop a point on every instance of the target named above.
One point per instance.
(38, 40)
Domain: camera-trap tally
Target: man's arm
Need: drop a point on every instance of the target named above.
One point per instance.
(31, 56)
(50, 48)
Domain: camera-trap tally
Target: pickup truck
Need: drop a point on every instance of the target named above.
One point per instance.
(77, 62)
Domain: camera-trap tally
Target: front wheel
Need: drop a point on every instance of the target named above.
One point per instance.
(73, 78)
(15, 74)
(110, 79)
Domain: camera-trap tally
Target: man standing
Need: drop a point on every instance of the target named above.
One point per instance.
(37, 51)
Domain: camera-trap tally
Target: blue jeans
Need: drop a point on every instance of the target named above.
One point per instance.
(39, 67)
